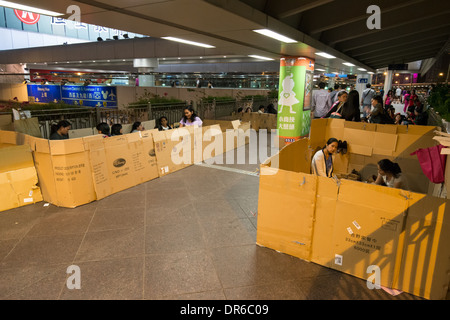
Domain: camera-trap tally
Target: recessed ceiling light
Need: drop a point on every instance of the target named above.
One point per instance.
(325, 55)
(260, 57)
(370, 72)
(201, 57)
(29, 9)
(198, 44)
(321, 70)
(362, 69)
(348, 64)
(224, 56)
(275, 35)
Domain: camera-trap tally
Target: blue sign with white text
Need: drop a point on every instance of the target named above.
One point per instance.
(44, 93)
(90, 96)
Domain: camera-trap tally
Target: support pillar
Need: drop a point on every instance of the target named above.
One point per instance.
(294, 98)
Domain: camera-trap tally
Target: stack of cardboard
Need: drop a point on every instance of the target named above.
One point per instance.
(350, 225)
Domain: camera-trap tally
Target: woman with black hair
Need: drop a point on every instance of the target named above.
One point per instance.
(60, 131)
(190, 118)
(116, 129)
(322, 162)
(104, 129)
(137, 126)
(377, 115)
(163, 124)
(338, 106)
(351, 110)
(389, 174)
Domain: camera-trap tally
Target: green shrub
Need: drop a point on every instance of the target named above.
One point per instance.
(439, 100)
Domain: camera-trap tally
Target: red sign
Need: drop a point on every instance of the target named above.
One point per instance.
(27, 17)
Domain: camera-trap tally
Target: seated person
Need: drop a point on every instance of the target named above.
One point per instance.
(163, 124)
(190, 118)
(137, 126)
(60, 131)
(420, 117)
(389, 174)
(261, 109)
(249, 110)
(322, 162)
(399, 119)
(104, 129)
(116, 129)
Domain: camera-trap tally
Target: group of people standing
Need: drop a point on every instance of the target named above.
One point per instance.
(60, 131)
(335, 104)
(371, 107)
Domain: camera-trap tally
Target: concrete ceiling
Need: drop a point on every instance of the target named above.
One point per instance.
(411, 30)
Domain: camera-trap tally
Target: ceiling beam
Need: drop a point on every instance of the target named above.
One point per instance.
(405, 58)
(388, 22)
(441, 28)
(347, 17)
(301, 6)
(432, 39)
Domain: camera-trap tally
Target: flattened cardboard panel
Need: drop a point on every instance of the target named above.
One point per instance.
(80, 133)
(327, 193)
(358, 137)
(9, 137)
(44, 168)
(340, 164)
(425, 269)
(15, 157)
(119, 163)
(317, 133)
(99, 170)
(61, 147)
(279, 227)
(360, 149)
(73, 179)
(384, 143)
(387, 128)
(367, 232)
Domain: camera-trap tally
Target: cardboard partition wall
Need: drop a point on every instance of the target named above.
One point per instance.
(353, 226)
(18, 177)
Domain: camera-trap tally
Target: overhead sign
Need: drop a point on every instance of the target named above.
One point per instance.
(89, 96)
(44, 93)
(363, 80)
(398, 67)
(27, 17)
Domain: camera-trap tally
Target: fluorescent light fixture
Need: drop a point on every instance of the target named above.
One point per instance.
(325, 55)
(198, 44)
(320, 70)
(260, 57)
(29, 9)
(348, 64)
(274, 35)
(370, 72)
(362, 69)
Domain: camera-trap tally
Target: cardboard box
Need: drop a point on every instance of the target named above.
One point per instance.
(18, 177)
(350, 225)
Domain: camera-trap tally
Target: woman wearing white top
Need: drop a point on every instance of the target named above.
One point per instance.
(322, 162)
(390, 174)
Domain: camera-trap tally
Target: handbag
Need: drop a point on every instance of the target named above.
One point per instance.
(337, 115)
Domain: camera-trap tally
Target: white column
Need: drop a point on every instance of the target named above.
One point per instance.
(388, 81)
(146, 66)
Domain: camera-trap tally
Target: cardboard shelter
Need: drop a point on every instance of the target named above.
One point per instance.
(351, 225)
(77, 171)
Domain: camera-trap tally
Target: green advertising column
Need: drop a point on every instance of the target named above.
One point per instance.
(294, 98)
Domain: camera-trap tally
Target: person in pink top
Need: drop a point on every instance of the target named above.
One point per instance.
(190, 118)
(406, 100)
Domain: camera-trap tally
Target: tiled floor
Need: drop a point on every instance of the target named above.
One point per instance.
(188, 235)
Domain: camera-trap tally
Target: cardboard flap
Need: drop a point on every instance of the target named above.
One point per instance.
(387, 128)
(61, 147)
(384, 143)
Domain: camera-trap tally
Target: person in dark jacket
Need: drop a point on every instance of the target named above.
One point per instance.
(351, 110)
(60, 131)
